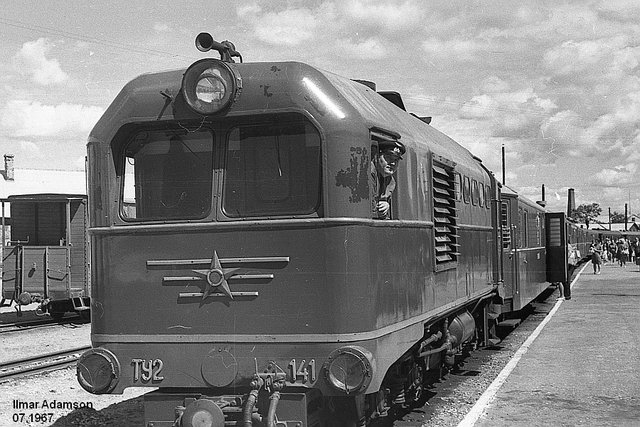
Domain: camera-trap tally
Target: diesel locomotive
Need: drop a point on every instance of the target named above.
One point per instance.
(237, 266)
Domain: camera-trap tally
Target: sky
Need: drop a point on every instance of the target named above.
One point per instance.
(556, 83)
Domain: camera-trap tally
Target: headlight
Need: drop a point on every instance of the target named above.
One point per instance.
(349, 369)
(210, 85)
(98, 371)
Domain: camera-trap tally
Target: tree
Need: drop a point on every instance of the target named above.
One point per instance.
(586, 213)
(617, 217)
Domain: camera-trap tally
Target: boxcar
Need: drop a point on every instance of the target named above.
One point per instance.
(45, 255)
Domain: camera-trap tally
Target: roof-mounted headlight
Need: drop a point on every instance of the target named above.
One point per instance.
(210, 85)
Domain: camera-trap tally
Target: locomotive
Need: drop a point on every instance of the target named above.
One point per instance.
(238, 267)
(46, 255)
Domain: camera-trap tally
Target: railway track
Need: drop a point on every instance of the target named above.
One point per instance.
(21, 326)
(41, 363)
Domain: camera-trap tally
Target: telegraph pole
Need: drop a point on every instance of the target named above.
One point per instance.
(503, 167)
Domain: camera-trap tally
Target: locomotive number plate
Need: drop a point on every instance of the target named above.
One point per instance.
(301, 372)
(147, 370)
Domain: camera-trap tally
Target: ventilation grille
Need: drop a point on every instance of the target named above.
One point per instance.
(445, 217)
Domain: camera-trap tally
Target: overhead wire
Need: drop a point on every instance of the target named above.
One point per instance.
(93, 40)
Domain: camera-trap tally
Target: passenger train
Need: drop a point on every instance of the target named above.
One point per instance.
(237, 266)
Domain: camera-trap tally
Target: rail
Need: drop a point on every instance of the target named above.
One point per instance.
(42, 363)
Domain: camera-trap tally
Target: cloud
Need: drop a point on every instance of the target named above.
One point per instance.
(392, 16)
(33, 119)
(289, 27)
(30, 148)
(32, 60)
(614, 177)
(370, 49)
(161, 27)
(457, 49)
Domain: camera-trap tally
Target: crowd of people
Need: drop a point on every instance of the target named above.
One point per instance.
(621, 251)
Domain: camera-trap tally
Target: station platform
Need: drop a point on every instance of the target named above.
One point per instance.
(581, 367)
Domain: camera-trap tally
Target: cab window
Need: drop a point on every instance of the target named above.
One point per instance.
(272, 170)
(167, 175)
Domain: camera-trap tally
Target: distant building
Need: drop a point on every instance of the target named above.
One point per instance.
(17, 181)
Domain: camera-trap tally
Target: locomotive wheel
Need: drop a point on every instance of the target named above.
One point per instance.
(417, 385)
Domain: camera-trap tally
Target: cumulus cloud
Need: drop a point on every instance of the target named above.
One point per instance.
(457, 49)
(32, 60)
(30, 148)
(371, 48)
(290, 27)
(393, 16)
(34, 119)
(619, 176)
(161, 27)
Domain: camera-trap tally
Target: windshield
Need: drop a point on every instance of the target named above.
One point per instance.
(272, 170)
(168, 175)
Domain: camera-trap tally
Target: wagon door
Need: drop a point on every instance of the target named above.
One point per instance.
(10, 272)
(556, 248)
(509, 249)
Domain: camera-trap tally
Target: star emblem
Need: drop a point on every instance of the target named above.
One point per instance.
(216, 277)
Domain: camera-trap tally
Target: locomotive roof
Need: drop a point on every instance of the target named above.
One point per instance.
(269, 87)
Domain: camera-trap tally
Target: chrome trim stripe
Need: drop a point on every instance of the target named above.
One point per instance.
(172, 262)
(200, 295)
(236, 277)
(293, 338)
(257, 224)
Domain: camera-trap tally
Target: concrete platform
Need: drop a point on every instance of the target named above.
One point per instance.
(581, 367)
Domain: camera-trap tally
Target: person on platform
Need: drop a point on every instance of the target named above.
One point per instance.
(596, 257)
(623, 252)
(384, 164)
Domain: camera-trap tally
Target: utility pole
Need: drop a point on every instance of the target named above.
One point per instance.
(609, 219)
(503, 167)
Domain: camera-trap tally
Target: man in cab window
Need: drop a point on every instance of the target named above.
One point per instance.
(384, 164)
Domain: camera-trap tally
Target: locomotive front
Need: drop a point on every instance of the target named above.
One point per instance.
(219, 277)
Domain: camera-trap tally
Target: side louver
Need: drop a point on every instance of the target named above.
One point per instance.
(444, 214)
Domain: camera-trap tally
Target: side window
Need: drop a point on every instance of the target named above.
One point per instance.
(481, 193)
(458, 187)
(522, 228)
(466, 190)
(487, 197)
(474, 192)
